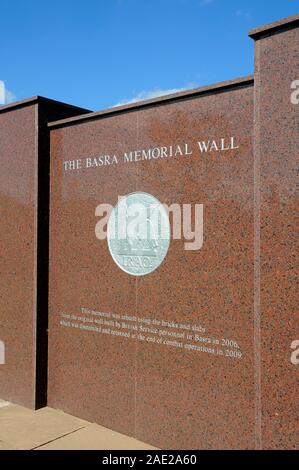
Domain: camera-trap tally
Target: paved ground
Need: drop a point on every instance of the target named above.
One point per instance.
(47, 428)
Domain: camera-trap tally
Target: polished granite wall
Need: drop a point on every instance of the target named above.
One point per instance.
(18, 275)
(203, 352)
(166, 395)
(24, 199)
(237, 291)
(276, 157)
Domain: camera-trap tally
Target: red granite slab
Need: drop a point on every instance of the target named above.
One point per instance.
(90, 374)
(24, 200)
(276, 242)
(157, 393)
(191, 390)
(239, 287)
(18, 242)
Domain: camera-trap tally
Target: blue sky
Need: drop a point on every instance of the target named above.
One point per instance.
(98, 53)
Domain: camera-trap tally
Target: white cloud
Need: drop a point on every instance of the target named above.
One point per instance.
(6, 96)
(155, 93)
(2, 92)
(9, 96)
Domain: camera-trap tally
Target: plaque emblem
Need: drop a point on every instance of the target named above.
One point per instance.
(138, 233)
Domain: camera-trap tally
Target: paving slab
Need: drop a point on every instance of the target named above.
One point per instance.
(7, 446)
(50, 429)
(21, 428)
(4, 403)
(95, 437)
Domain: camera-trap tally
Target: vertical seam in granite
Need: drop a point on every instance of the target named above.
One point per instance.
(42, 263)
(136, 352)
(257, 251)
(136, 298)
(36, 119)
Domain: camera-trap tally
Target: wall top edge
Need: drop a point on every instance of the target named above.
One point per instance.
(39, 100)
(166, 99)
(275, 27)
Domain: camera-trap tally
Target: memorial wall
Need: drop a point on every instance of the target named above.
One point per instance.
(276, 150)
(24, 205)
(172, 253)
(186, 342)
(154, 354)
